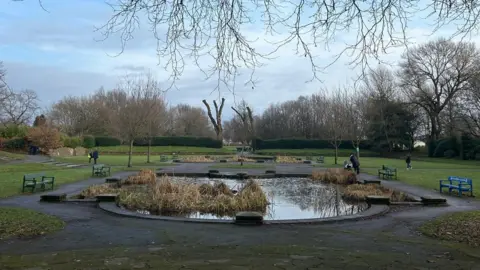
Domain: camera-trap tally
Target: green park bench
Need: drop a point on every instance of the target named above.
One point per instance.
(320, 159)
(387, 172)
(100, 170)
(163, 158)
(33, 180)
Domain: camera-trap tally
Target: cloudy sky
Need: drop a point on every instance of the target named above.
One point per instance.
(58, 53)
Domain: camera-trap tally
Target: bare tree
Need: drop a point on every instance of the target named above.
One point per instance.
(134, 108)
(19, 108)
(336, 119)
(187, 120)
(156, 122)
(217, 121)
(433, 73)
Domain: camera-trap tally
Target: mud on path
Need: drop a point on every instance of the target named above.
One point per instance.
(94, 239)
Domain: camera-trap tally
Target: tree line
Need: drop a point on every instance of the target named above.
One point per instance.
(433, 93)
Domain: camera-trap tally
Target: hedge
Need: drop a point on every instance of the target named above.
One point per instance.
(107, 141)
(306, 144)
(88, 141)
(181, 141)
(14, 144)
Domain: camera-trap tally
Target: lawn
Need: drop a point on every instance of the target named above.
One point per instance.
(311, 152)
(117, 160)
(11, 176)
(186, 150)
(6, 156)
(454, 226)
(20, 222)
(238, 166)
(421, 163)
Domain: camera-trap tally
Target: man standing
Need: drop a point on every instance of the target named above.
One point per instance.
(355, 163)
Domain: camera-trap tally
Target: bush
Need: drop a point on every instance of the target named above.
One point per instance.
(72, 142)
(14, 144)
(88, 141)
(13, 131)
(45, 138)
(450, 153)
(181, 141)
(444, 145)
(107, 141)
(305, 144)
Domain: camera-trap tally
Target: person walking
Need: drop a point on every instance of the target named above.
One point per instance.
(408, 160)
(95, 156)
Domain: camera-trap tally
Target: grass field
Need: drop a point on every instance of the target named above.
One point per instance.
(117, 160)
(311, 152)
(7, 156)
(11, 176)
(185, 150)
(20, 222)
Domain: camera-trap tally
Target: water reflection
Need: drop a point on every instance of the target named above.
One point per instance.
(292, 198)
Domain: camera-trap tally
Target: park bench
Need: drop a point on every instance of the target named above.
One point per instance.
(387, 172)
(37, 179)
(163, 158)
(460, 184)
(100, 170)
(321, 159)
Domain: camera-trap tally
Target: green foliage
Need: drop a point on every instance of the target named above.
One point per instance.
(444, 145)
(450, 153)
(88, 141)
(180, 141)
(72, 142)
(107, 141)
(306, 144)
(14, 144)
(13, 131)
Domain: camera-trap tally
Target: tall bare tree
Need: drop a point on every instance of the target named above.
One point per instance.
(245, 114)
(156, 123)
(217, 121)
(434, 73)
(336, 119)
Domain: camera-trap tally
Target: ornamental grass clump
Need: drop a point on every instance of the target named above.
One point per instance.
(197, 159)
(144, 177)
(359, 192)
(335, 176)
(168, 197)
(93, 191)
(287, 159)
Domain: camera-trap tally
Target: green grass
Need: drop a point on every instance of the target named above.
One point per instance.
(20, 222)
(311, 152)
(421, 163)
(455, 227)
(11, 176)
(7, 156)
(123, 149)
(238, 166)
(117, 160)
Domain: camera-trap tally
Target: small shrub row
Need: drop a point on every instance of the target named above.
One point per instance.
(180, 141)
(306, 144)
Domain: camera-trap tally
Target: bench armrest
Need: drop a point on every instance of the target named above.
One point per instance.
(48, 178)
(442, 181)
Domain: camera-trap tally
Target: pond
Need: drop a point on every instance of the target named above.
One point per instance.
(290, 198)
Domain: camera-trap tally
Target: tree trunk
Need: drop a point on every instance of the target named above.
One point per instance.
(148, 149)
(130, 151)
(336, 154)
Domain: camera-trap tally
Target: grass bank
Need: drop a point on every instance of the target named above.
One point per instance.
(463, 227)
(117, 160)
(7, 157)
(11, 176)
(20, 222)
(179, 150)
(312, 152)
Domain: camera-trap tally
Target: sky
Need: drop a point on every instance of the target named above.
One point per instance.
(57, 53)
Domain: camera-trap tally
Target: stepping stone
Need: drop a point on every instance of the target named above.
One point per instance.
(307, 162)
(112, 180)
(242, 175)
(427, 200)
(249, 218)
(270, 172)
(213, 171)
(378, 200)
(177, 160)
(372, 182)
(223, 161)
(260, 161)
(106, 197)
(54, 197)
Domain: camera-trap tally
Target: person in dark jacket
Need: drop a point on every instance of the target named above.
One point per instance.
(408, 160)
(355, 163)
(95, 156)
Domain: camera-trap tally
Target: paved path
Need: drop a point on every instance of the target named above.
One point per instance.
(90, 227)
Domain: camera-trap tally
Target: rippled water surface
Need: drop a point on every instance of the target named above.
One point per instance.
(292, 198)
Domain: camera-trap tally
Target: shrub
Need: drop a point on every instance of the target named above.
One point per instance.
(450, 153)
(107, 141)
(88, 141)
(44, 137)
(72, 142)
(14, 144)
(13, 131)
(306, 144)
(181, 141)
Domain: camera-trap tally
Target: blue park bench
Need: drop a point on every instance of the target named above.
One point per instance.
(460, 184)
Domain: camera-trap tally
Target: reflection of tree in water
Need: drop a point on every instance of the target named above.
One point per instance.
(324, 200)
